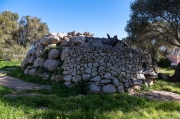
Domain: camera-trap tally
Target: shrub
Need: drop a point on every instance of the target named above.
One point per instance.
(164, 62)
(82, 86)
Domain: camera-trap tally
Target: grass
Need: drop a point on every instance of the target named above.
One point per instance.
(9, 64)
(87, 106)
(166, 84)
(65, 103)
(166, 71)
(4, 90)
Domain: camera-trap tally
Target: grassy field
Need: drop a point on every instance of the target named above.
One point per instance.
(64, 103)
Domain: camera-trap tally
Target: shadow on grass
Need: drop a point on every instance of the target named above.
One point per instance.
(87, 106)
(9, 68)
(18, 73)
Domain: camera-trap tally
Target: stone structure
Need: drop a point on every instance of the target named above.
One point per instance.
(108, 68)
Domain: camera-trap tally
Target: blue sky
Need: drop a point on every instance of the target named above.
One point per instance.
(99, 17)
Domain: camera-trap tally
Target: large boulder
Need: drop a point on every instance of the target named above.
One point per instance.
(94, 88)
(39, 62)
(53, 54)
(109, 88)
(51, 64)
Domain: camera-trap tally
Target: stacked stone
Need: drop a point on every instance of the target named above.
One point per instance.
(109, 69)
(35, 56)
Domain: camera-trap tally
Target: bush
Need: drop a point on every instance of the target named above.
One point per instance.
(164, 62)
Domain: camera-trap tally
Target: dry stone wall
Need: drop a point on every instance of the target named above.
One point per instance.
(108, 69)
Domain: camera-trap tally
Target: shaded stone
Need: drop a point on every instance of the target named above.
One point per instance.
(68, 78)
(65, 72)
(31, 59)
(90, 65)
(105, 81)
(115, 81)
(53, 54)
(32, 71)
(38, 62)
(120, 88)
(94, 74)
(109, 88)
(26, 71)
(96, 64)
(88, 70)
(94, 88)
(51, 64)
(101, 68)
(86, 76)
(107, 76)
(96, 79)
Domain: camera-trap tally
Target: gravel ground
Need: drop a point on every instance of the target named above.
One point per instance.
(19, 85)
(159, 95)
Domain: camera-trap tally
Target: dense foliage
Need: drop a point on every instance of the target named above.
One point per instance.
(14, 33)
(155, 19)
(164, 62)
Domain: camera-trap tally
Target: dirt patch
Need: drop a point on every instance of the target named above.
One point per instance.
(159, 95)
(19, 85)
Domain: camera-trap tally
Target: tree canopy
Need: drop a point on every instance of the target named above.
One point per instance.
(159, 19)
(15, 32)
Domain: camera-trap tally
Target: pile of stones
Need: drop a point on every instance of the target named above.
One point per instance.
(108, 69)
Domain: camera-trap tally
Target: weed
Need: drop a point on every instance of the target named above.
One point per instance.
(82, 86)
(59, 70)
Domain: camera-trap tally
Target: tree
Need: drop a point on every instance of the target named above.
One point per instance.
(160, 17)
(30, 30)
(8, 26)
(14, 33)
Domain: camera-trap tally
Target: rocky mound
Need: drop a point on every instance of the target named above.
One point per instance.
(75, 57)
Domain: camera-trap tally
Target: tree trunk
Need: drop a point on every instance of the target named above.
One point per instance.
(176, 76)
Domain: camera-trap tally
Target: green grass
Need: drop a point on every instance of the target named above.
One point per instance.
(4, 90)
(166, 85)
(87, 106)
(9, 64)
(166, 70)
(65, 103)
